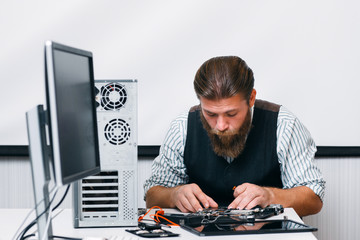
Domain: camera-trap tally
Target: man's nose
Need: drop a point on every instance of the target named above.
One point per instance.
(221, 124)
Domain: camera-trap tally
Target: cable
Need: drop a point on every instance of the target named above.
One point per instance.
(62, 199)
(158, 215)
(28, 215)
(23, 232)
(23, 222)
(155, 217)
(30, 225)
(30, 235)
(47, 208)
(141, 217)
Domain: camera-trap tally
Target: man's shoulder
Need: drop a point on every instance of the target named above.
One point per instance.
(288, 120)
(195, 108)
(266, 105)
(181, 118)
(286, 115)
(177, 129)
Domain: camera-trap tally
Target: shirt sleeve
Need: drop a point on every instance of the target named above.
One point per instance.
(296, 150)
(168, 169)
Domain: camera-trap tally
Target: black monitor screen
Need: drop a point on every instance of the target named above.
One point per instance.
(71, 108)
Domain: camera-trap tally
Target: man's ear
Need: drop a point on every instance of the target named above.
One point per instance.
(252, 98)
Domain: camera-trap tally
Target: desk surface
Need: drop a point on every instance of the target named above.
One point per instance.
(10, 220)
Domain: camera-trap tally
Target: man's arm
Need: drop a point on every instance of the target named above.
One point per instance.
(302, 180)
(302, 199)
(303, 184)
(187, 198)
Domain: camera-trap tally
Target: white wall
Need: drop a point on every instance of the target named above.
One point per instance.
(338, 220)
(304, 54)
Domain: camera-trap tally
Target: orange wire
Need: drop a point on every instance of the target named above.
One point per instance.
(141, 217)
(157, 215)
(171, 222)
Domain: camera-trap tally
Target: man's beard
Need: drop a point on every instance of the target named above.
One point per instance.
(228, 143)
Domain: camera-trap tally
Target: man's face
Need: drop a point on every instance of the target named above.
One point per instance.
(227, 122)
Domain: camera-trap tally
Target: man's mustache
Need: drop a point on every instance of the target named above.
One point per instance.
(224, 133)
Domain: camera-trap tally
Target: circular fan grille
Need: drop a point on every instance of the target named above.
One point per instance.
(117, 131)
(113, 96)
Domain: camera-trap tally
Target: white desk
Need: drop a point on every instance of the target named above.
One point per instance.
(10, 220)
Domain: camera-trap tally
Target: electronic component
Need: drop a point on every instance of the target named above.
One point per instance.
(224, 215)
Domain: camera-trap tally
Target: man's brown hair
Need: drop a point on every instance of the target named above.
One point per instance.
(224, 77)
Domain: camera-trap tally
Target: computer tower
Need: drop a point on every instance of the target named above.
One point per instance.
(110, 197)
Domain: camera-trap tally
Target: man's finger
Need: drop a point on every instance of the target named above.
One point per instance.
(180, 206)
(203, 198)
(195, 197)
(235, 203)
(246, 200)
(240, 189)
(255, 202)
(188, 205)
(211, 201)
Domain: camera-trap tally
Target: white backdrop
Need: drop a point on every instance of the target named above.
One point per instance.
(304, 54)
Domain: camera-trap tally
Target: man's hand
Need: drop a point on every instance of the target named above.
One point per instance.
(189, 198)
(249, 195)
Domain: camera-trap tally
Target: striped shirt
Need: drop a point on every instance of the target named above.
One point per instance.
(295, 150)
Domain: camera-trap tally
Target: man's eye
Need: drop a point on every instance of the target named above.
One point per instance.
(211, 114)
(231, 115)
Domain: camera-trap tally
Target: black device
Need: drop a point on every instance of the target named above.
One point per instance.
(257, 227)
(151, 230)
(154, 233)
(224, 215)
(223, 221)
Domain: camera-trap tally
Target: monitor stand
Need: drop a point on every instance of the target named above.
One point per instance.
(40, 167)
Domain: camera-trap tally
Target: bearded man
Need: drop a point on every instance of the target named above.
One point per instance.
(235, 150)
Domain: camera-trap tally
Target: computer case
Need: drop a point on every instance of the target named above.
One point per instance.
(110, 197)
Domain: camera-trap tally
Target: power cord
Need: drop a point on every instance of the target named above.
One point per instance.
(29, 226)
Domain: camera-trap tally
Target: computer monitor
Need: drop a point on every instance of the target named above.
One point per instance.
(72, 147)
(71, 111)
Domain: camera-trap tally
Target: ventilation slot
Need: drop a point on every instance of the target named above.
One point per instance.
(113, 96)
(100, 194)
(117, 131)
(128, 180)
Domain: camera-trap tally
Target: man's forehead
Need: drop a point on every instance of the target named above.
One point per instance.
(236, 102)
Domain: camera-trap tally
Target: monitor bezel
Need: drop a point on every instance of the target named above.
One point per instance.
(52, 113)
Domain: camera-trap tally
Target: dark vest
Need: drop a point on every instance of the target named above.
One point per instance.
(257, 164)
